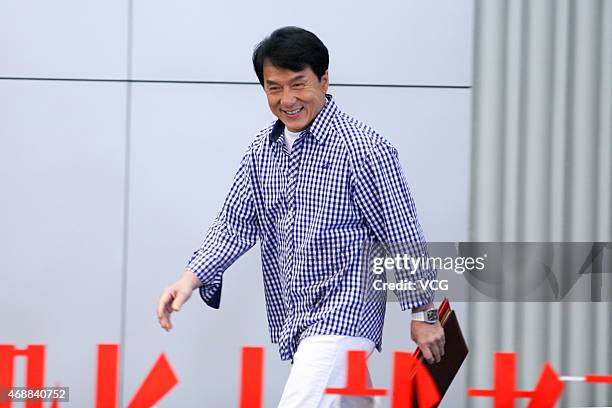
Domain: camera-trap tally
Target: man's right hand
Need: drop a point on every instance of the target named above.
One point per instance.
(174, 296)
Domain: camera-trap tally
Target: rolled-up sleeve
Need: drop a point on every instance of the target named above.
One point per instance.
(233, 232)
(384, 200)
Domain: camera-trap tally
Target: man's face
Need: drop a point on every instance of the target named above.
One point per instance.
(296, 98)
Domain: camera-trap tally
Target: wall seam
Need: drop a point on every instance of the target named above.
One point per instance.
(126, 203)
(189, 82)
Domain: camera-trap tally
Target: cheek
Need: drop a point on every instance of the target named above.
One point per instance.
(312, 101)
(272, 102)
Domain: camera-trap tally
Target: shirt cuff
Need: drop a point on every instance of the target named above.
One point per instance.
(211, 294)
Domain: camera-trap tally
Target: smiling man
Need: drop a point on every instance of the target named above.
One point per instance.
(314, 187)
(296, 98)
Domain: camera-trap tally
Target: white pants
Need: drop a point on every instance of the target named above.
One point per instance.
(318, 363)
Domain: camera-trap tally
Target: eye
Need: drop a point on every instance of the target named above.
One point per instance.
(273, 88)
(298, 85)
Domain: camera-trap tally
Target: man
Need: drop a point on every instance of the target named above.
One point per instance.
(313, 187)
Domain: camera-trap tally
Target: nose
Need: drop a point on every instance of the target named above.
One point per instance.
(287, 98)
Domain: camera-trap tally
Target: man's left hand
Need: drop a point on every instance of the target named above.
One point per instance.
(429, 338)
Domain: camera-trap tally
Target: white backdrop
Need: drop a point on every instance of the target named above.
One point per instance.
(108, 184)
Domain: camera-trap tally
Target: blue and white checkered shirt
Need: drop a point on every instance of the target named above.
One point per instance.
(313, 210)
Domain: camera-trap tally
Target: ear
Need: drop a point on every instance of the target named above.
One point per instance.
(325, 80)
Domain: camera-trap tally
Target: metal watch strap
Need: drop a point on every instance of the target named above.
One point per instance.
(422, 316)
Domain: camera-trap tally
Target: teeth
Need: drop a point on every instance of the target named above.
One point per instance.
(293, 112)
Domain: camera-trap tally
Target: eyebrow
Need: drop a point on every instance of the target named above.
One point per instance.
(300, 77)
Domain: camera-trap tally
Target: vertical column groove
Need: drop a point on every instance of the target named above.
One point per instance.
(126, 204)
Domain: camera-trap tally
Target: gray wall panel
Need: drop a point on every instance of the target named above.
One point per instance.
(186, 143)
(393, 41)
(64, 38)
(541, 154)
(61, 177)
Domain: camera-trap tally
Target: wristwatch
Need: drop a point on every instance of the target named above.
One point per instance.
(428, 316)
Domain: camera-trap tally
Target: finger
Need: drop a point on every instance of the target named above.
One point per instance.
(164, 310)
(164, 300)
(435, 351)
(164, 321)
(441, 344)
(427, 354)
(179, 299)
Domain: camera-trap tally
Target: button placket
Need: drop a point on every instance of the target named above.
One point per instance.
(290, 165)
(293, 166)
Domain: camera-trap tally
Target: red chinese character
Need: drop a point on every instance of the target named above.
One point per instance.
(357, 377)
(408, 370)
(35, 369)
(251, 377)
(546, 394)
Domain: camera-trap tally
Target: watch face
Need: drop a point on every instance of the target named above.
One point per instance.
(431, 315)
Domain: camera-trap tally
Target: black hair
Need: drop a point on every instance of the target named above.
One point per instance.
(291, 48)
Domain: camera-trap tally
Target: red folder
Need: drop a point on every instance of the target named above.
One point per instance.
(455, 352)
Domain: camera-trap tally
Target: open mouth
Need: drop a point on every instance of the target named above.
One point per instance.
(293, 113)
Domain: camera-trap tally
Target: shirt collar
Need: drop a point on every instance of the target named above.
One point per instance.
(320, 127)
